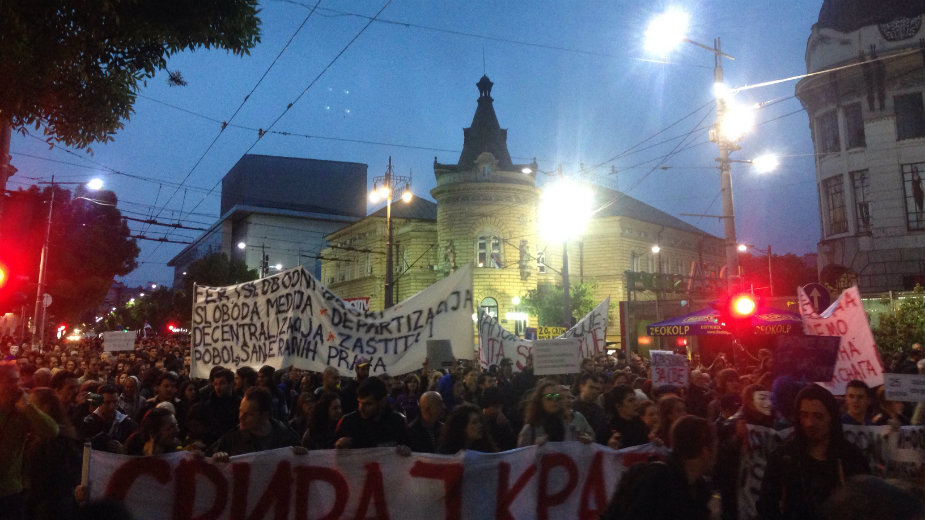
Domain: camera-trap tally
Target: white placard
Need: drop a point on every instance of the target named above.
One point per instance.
(556, 356)
(668, 368)
(119, 340)
(904, 387)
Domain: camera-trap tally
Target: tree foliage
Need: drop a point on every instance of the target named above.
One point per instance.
(898, 330)
(546, 302)
(789, 271)
(72, 68)
(88, 245)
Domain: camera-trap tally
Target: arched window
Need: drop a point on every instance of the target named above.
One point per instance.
(489, 252)
(489, 306)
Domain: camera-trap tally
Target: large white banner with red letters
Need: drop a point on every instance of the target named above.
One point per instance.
(857, 352)
(558, 480)
(290, 319)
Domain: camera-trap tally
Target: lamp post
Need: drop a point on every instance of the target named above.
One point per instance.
(745, 247)
(264, 258)
(38, 320)
(383, 187)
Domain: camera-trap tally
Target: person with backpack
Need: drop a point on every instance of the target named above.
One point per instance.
(675, 489)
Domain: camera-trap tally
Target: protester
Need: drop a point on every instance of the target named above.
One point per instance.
(50, 493)
(727, 383)
(857, 404)
(373, 423)
(322, 424)
(589, 390)
(547, 419)
(257, 430)
(106, 428)
(130, 401)
(465, 430)
(220, 409)
(156, 435)
(626, 428)
(302, 413)
(424, 431)
(889, 412)
(670, 409)
(406, 401)
(805, 471)
(496, 423)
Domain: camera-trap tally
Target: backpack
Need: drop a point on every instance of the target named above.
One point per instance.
(626, 488)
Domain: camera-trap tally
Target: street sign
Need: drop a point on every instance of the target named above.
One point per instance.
(818, 295)
(46, 300)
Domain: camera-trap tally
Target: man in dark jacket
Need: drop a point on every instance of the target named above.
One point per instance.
(424, 431)
(256, 430)
(805, 471)
(106, 427)
(373, 423)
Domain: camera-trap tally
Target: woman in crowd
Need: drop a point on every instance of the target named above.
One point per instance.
(546, 418)
(648, 413)
(50, 492)
(407, 400)
(670, 409)
(465, 430)
(302, 413)
(890, 412)
(322, 426)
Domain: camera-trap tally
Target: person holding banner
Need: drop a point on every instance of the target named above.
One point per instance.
(256, 430)
(373, 423)
(465, 430)
(547, 418)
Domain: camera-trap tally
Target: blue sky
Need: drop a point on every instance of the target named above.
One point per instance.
(573, 86)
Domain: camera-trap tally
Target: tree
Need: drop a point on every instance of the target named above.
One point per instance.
(898, 330)
(72, 68)
(159, 308)
(88, 245)
(545, 302)
(790, 271)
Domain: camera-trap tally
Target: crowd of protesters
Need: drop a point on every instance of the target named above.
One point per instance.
(143, 402)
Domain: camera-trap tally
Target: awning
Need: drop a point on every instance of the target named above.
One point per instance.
(766, 321)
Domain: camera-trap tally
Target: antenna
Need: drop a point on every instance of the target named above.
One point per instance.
(484, 68)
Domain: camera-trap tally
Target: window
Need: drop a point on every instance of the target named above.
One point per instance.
(541, 262)
(489, 254)
(912, 187)
(833, 193)
(490, 306)
(854, 126)
(861, 182)
(910, 116)
(827, 132)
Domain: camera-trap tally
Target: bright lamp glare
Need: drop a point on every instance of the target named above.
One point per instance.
(406, 196)
(765, 163)
(744, 306)
(241, 245)
(656, 249)
(666, 31)
(565, 209)
(385, 192)
(95, 184)
(742, 248)
(722, 91)
(374, 196)
(737, 121)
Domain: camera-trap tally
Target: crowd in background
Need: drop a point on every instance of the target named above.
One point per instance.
(143, 402)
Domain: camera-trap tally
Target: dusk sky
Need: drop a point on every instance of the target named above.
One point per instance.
(573, 85)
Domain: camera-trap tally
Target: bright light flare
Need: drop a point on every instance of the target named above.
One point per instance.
(742, 248)
(95, 184)
(744, 305)
(241, 245)
(737, 121)
(765, 163)
(374, 196)
(407, 196)
(722, 91)
(666, 31)
(565, 209)
(656, 249)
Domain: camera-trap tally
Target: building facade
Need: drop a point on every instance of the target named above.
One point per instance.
(280, 209)
(486, 213)
(868, 127)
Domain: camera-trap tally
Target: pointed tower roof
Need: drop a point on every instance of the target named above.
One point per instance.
(485, 134)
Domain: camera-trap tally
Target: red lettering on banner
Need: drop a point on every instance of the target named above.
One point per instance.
(125, 476)
(331, 336)
(523, 352)
(505, 495)
(276, 495)
(868, 367)
(854, 350)
(596, 341)
(546, 500)
(818, 328)
(240, 487)
(837, 328)
(185, 483)
(305, 475)
(452, 477)
(374, 491)
(594, 488)
(847, 300)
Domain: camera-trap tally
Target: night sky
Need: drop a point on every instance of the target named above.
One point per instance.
(574, 86)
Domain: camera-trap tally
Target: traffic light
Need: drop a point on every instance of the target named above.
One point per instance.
(736, 311)
(12, 287)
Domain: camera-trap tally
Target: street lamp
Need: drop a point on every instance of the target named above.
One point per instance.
(745, 247)
(38, 320)
(264, 259)
(383, 188)
(565, 210)
(518, 317)
(664, 33)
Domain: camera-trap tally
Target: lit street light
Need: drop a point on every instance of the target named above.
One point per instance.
(383, 188)
(745, 247)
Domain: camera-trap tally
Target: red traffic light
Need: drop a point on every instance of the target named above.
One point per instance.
(4, 275)
(742, 305)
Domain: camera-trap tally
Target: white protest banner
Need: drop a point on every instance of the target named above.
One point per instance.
(668, 368)
(496, 343)
(556, 356)
(904, 387)
(761, 444)
(857, 352)
(558, 480)
(290, 319)
(118, 340)
(591, 331)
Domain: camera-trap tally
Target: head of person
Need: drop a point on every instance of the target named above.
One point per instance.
(327, 411)
(622, 400)
(432, 406)
(412, 384)
(648, 412)
(817, 416)
(254, 412)
(470, 378)
(589, 387)
(890, 408)
(223, 383)
(265, 376)
(107, 407)
(670, 409)
(46, 400)
(507, 367)
(756, 400)
(487, 380)
(244, 378)
(166, 388)
(159, 425)
(329, 378)
(65, 385)
(305, 405)
(545, 401)
(361, 368)
(463, 427)
(857, 397)
(694, 439)
(371, 397)
(727, 381)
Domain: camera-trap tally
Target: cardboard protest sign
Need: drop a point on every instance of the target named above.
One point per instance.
(557, 480)
(496, 343)
(290, 319)
(857, 352)
(119, 340)
(591, 331)
(904, 387)
(440, 354)
(556, 356)
(668, 368)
